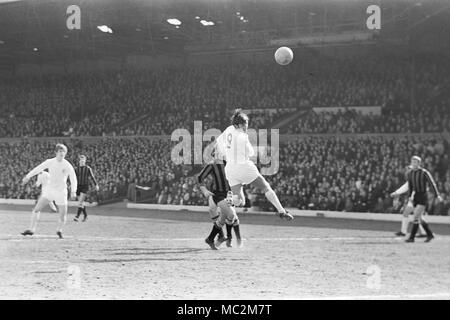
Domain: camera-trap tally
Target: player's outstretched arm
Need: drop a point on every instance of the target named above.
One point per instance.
(93, 179)
(403, 189)
(433, 185)
(35, 171)
(206, 192)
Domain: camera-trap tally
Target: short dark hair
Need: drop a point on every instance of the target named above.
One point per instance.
(82, 156)
(60, 146)
(238, 118)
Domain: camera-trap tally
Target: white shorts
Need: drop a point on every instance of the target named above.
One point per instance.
(214, 211)
(57, 195)
(242, 173)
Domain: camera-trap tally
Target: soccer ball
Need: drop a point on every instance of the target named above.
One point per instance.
(284, 56)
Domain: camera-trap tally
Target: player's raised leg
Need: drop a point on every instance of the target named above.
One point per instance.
(35, 214)
(264, 186)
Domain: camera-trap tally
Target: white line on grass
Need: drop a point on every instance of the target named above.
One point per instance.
(20, 261)
(54, 237)
(441, 295)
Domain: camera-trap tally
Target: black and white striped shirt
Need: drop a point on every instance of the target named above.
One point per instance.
(217, 170)
(419, 179)
(83, 174)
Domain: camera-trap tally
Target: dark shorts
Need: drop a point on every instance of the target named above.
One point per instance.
(82, 189)
(217, 197)
(420, 199)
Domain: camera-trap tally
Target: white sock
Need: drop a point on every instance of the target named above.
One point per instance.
(34, 220)
(421, 230)
(61, 224)
(405, 222)
(272, 197)
(237, 201)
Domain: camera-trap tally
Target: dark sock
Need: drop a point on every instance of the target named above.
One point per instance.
(221, 234)
(84, 212)
(426, 228)
(215, 230)
(414, 230)
(78, 212)
(229, 228)
(237, 231)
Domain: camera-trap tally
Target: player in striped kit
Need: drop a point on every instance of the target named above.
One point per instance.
(220, 201)
(59, 170)
(84, 173)
(407, 211)
(418, 180)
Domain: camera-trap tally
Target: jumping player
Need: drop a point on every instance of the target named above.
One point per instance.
(220, 200)
(59, 169)
(84, 173)
(418, 179)
(240, 170)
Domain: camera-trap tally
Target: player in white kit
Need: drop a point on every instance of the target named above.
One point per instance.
(59, 170)
(240, 170)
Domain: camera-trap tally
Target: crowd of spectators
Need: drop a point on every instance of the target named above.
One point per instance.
(155, 102)
(322, 173)
(357, 174)
(426, 120)
(130, 102)
(116, 163)
(325, 173)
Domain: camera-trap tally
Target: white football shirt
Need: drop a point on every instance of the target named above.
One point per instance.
(58, 171)
(234, 143)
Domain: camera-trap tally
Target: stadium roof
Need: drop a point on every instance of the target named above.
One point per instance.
(36, 31)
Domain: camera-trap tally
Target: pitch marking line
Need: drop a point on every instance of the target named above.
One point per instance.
(387, 296)
(54, 237)
(18, 261)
